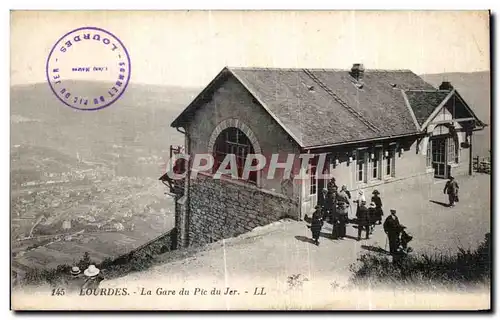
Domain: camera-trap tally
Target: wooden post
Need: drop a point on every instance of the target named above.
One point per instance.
(470, 154)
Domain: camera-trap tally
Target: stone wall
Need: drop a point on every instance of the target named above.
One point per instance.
(164, 243)
(220, 209)
(180, 220)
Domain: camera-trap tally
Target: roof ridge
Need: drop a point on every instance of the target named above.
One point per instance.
(314, 69)
(426, 90)
(389, 70)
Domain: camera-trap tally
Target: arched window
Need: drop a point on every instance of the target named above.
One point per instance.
(234, 141)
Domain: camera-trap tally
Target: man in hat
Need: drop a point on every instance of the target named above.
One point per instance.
(451, 188)
(322, 197)
(316, 225)
(94, 277)
(342, 218)
(331, 203)
(76, 279)
(332, 185)
(392, 228)
(363, 220)
(379, 213)
(323, 201)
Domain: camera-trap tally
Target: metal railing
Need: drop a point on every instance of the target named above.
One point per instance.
(482, 165)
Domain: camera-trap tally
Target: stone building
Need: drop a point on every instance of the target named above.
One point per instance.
(383, 129)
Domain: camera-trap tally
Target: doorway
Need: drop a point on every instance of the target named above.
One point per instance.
(310, 188)
(439, 155)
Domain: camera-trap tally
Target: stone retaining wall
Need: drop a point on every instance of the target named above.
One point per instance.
(220, 209)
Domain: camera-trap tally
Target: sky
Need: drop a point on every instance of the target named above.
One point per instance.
(188, 48)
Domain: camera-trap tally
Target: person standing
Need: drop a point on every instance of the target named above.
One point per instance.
(343, 196)
(361, 197)
(316, 225)
(322, 197)
(342, 206)
(392, 228)
(342, 218)
(344, 190)
(332, 204)
(379, 213)
(331, 185)
(323, 201)
(451, 188)
(372, 216)
(363, 220)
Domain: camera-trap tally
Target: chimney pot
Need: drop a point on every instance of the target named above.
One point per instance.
(357, 71)
(446, 85)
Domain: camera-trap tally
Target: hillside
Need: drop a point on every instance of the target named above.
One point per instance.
(140, 119)
(88, 181)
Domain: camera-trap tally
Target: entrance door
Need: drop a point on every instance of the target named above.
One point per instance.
(310, 189)
(439, 161)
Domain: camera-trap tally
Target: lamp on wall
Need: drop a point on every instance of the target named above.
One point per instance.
(401, 151)
(372, 156)
(386, 153)
(350, 159)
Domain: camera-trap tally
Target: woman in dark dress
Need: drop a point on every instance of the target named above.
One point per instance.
(379, 213)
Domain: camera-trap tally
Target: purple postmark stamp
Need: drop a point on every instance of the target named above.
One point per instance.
(88, 68)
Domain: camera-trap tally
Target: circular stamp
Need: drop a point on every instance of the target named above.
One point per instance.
(88, 68)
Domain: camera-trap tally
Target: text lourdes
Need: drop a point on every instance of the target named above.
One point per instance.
(95, 37)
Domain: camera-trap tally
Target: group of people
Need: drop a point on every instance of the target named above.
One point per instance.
(333, 206)
(77, 280)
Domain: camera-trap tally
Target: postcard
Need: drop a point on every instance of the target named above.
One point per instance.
(250, 160)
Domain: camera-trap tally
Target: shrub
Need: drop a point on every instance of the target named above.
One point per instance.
(85, 261)
(464, 267)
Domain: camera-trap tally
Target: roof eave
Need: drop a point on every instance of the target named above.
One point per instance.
(345, 143)
(479, 122)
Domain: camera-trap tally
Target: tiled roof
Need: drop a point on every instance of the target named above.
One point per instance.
(325, 107)
(424, 102)
(314, 117)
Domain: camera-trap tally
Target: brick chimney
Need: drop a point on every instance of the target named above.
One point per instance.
(445, 85)
(357, 71)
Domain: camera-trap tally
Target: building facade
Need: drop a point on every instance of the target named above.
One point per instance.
(383, 129)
